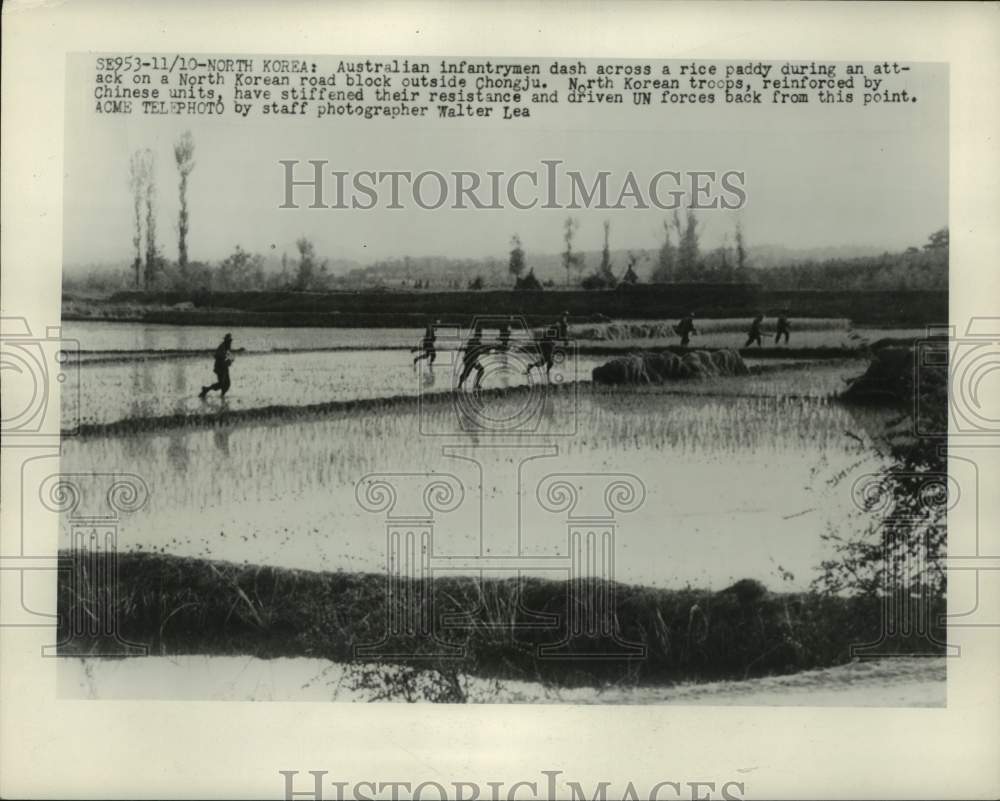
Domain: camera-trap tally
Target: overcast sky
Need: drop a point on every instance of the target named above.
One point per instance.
(816, 175)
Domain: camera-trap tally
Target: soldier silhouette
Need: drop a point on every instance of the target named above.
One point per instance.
(782, 328)
(472, 352)
(754, 334)
(685, 328)
(223, 360)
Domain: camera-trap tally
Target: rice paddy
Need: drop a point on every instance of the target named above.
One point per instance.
(720, 459)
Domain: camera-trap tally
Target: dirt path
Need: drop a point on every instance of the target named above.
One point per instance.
(910, 682)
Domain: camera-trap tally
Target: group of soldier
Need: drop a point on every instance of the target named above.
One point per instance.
(474, 349)
(755, 334)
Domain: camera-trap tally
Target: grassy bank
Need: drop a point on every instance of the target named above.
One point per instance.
(192, 606)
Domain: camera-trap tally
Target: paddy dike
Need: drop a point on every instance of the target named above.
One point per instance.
(402, 308)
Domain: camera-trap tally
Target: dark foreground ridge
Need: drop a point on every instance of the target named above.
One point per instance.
(176, 605)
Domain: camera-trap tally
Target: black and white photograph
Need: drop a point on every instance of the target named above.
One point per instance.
(432, 401)
(393, 379)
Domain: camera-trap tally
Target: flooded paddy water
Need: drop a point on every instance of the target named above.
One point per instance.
(766, 457)
(103, 337)
(132, 371)
(716, 471)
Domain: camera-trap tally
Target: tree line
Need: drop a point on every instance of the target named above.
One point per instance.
(679, 258)
(238, 271)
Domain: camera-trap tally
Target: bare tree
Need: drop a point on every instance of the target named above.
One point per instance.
(741, 250)
(606, 269)
(184, 158)
(666, 262)
(725, 268)
(137, 186)
(152, 254)
(306, 276)
(570, 259)
(516, 264)
(687, 248)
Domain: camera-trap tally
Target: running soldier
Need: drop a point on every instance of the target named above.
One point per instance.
(503, 343)
(685, 328)
(473, 351)
(562, 328)
(754, 334)
(547, 344)
(223, 358)
(782, 329)
(427, 345)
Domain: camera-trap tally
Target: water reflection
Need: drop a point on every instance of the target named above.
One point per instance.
(220, 438)
(718, 470)
(137, 389)
(177, 449)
